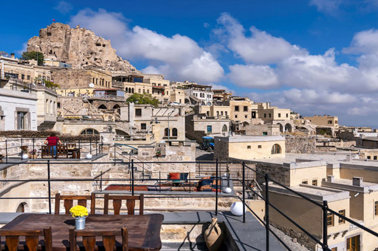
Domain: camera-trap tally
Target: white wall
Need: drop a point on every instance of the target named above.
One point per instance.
(11, 100)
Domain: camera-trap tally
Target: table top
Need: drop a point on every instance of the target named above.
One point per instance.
(143, 230)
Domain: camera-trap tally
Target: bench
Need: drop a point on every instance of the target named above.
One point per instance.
(61, 151)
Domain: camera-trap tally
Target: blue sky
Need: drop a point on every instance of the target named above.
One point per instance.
(315, 56)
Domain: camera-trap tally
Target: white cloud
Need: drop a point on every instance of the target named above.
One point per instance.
(64, 7)
(259, 48)
(326, 6)
(178, 57)
(253, 76)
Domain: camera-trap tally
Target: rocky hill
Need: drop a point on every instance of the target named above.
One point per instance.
(79, 47)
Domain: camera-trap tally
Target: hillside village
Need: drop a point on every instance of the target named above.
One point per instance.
(112, 112)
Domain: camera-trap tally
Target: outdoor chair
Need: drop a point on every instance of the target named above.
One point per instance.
(117, 203)
(69, 199)
(12, 239)
(89, 239)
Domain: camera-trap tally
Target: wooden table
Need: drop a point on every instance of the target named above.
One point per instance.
(143, 230)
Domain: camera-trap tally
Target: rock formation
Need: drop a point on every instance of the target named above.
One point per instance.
(79, 47)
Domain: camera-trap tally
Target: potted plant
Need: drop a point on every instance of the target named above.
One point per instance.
(33, 154)
(158, 153)
(79, 213)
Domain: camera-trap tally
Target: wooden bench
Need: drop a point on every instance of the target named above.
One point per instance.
(61, 151)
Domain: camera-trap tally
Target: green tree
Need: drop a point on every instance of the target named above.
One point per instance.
(50, 84)
(33, 55)
(143, 99)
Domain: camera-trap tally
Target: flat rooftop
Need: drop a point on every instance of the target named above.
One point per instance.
(347, 184)
(242, 138)
(313, 192)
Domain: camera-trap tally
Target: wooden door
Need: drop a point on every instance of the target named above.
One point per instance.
(353, 243)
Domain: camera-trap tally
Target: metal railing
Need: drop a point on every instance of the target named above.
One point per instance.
(13, 152)
(131, 182)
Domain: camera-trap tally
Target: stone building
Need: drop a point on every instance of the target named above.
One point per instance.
(159, 123)
(274, 115)
(326, 120)
(249, 147)
(18, 107)
(23, 70)
(197, 126)
(201, 93)
(46, 107)
(68, 79)
(240, 109)
(335, 183)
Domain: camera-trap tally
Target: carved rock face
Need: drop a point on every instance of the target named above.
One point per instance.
(79, 47)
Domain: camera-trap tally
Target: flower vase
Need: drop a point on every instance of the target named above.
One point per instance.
(80, 223)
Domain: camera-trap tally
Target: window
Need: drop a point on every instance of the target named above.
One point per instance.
(375, 157)
(270, 115)
(138, 112)
(225, 113)
(224, 128)
(353, 243)
(259, 146)
(276, 149)
(341, 220)
(28, 77)
(330, 122)
(209, 129)
(330, 219)
(236, 116)
(245, 108)
(174, 132)
(245, 116)
(248, 147)
(287, 115)
(89, 131)
(265, 133)
(314, 182)
(304, 182)
(236, 108)
(264, 115)
(21, 120)
(253, 115)
(376, 208)
(368, 157)
(143, 126)
(279, 115)
(58, 105)
(166, 132)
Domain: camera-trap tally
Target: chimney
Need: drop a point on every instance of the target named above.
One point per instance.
(12, 55)
(330, 178)
(357, 181)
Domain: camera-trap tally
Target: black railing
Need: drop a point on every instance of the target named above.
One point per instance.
(13, 151)
(217, 166)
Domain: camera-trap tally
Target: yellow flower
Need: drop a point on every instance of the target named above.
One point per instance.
(79, 211)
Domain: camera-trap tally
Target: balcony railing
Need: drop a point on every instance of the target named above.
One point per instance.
(131, 166)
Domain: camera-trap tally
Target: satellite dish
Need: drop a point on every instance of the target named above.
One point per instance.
(91, 85)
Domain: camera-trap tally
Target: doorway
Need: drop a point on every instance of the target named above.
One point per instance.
(353, 243)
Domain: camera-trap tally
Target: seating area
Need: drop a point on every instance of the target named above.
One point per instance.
(62, 151)
(115, 228)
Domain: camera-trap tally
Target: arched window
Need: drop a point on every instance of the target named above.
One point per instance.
(126, 89)
(174, 132)
(116, 108)
(89, 131)
(166, 132)
(224, 128)
(281, 128)
(22, 208)
(276, 149)
(102, 107)
(288, 128)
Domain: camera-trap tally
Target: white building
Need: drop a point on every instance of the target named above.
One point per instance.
(18, 110)
(202, 93)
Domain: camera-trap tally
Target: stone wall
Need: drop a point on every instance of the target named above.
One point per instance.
(300, 144)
